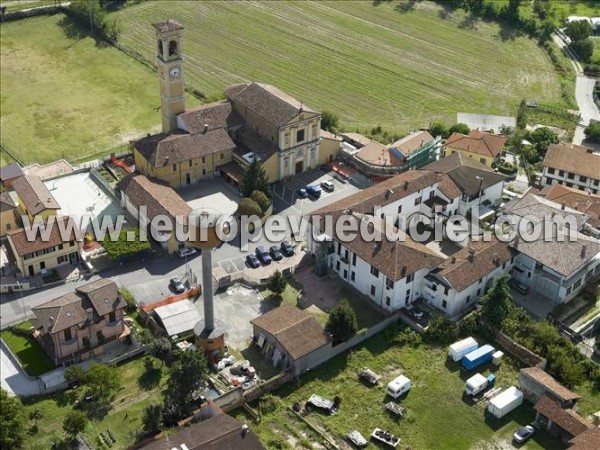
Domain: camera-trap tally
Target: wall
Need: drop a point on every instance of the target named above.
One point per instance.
(7, 221)
(523, 354)
(330, 149)
(50, 260)
(570, 180)
(487, 160)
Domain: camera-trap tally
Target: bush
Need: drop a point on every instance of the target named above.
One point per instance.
(74, 374)
(277, 284)
(262, 200)
(248, 207)
(438, 129)
(468, 326)
(329, 121)
(342, 324)
(459, 128)
(129, 299)
(268, 404)
(592, 132)
(440, 331)
(584, 49)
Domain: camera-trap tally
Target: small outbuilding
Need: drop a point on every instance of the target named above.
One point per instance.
(179, 318)
(536, 382)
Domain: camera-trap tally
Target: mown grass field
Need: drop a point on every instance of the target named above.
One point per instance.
(32, 356)
(373, 65)
(437, 416)
(64, 95)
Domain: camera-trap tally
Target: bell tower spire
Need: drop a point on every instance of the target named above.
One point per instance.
(169, 58)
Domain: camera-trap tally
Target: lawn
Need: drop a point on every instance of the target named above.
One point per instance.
(437, 417)
(64, 95)
(372, 65)
(32, 356)
(140, 389)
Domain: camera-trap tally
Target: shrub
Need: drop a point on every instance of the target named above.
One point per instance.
(592, 132)
(269, 404)
(277, 284)
(74, 374)
(342, 324)
(329, 121)
(248, 207)
(438, 128)
(129, 299)
(459, 128)
(261, 199)
(584, 49)
(440, 330)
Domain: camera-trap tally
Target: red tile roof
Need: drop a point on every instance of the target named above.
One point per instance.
(543, 378)
(567, 419)
(479, 142)
(588, 440)
(574, 159)
(34, 194)
(23, 246)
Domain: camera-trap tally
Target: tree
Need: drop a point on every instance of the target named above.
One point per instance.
(248, 207)
(261, 199)
(102, 382)
(187, 376)
(459, 128)
(74, 374)
(162, 349)
(277, 284)
(329, 121)
(129, 299)
(254, 179)
(438, 128)
(584, 49)
(36, 415)
(578, 30)
(497, 303)
(342, 324)
(12, 421)
(592, 132)
(522, 115)
(152, 420)
(541, 138)
(74, 423)
(440, 330)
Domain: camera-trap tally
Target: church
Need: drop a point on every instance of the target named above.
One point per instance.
(256, 122)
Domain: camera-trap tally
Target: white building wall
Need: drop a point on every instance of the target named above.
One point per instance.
(571, 180)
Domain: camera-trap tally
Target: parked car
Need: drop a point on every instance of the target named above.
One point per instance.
(416, 314)
(328, 186)
(287, 249)
(340, 178)
(185, 252)
(523, 434)
(301, 193)
(252, 261)
(275, 253)
(519, 287)
(263, 255)
(314, 191)
(177, 285)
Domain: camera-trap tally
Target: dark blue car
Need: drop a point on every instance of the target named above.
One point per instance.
(314, 191)
(263, 255)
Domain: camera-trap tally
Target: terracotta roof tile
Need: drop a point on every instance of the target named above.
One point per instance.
(484, 144)
(10, 171)
(412, 142)
(163, 149)
(573, 158)
(543, 378)
(575, 199)
(167, 26)
(567, 419)
(34, 194)
(23, 246)
(297, 332)
(463, 269)
(588, 440)
(215, 115)
(6, 202)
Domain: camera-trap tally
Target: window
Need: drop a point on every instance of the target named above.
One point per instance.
(337, 265)
(372, 290)
(561, 173)
(582, 178)
(388, 301)
(203, 160)
(354, 259)
(345, 274)
(399, 209)
(190, 163)
(62, 259)
(446, 290)
(339, 252)
(300, 135)
(222, 155)
(468, 298)
(479, 292)
(410, 278)
(172, 48)
(418, 201)
(60, 246)
(444, 304)
(112, 317)
(504, 264)
(8, 226)
(174, 167)
(577, 284)
(68, 335)
(389, 283)
(374, 271)
(480, 280)
(551, 171)
(203, 171)
(352, 276)
(569, 289)
(482, 160)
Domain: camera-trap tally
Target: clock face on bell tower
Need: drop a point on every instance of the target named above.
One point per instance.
(170, 70)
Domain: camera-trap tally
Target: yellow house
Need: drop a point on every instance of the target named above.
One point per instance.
(484, 147)
(31, 257)
(34, 198)
(7, 213)
(330, 147)
(146, 199)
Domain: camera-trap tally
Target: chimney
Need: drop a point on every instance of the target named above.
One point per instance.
(404, 269)
(583, 251)
(562, 206)
(453, 259)
(90, 314)
(471, 254)
(205, 128)
(406, 185)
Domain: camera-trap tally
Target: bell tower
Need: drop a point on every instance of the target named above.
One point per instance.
(170, 71)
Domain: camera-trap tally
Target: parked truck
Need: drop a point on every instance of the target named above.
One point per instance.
(460, 348)
(478, 357)
(478, 383)
(505, 402)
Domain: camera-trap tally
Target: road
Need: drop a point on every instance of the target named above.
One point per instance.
(148, 280)
(584, 93)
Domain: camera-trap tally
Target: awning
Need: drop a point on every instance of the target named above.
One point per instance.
(232, 170)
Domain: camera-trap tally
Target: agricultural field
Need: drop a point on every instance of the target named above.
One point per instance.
(65, 95)
(372, 63)
(437, 415)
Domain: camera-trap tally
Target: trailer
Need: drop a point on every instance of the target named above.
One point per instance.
(478, 383)
(398, 386)
(459, 349)
(505, 402)
(478, 357)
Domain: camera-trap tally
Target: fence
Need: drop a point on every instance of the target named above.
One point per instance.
(523, 354)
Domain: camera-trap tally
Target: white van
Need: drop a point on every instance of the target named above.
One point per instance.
(398, 386)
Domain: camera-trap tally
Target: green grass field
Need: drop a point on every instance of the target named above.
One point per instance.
(437, 416)
(370, 64)
(61, 94)
(31, 355)
(140, 389)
